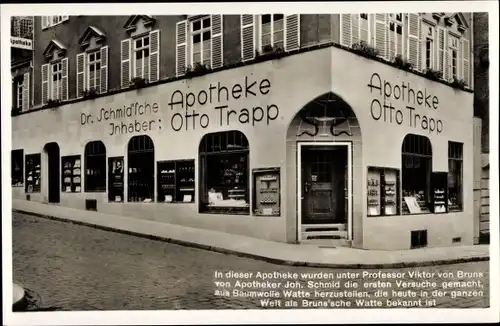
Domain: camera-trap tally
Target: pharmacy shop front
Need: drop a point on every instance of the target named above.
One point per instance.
(323, 147)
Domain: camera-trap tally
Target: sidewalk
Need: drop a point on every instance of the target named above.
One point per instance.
(274, 252)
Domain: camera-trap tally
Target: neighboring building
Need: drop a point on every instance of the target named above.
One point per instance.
(344, 129)
(482, 111)
(21, 41)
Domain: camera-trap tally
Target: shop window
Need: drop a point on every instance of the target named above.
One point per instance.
(224, 174)
(416, 174)
(33, 173)
(455, 176)
(141, 169)
(17, 171)
(95, 167)
(201, 40)
(382, 191)
(71, 173)
(115, 179)
(176, 181)
(272, 31)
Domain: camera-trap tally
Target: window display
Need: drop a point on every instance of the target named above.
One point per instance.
(416, 174)
(115, 179)
(17, 169)
(455, 176)
(33, 173)
(224, 173)
(383, 191)
(440, 192)
(141, 169)
(71, 173)
(266, 199)
(95, 167)
(176, 181)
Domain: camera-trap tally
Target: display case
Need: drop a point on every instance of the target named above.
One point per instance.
(115, 179)
(33, 173)
(382, 191)
(440, 192)
(176, 181)
(71, 167)
(266, 189)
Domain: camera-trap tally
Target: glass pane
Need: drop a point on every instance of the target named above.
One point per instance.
(91, 68)
(146, 41)
(138, 55)
(196, 38)
(206, 55)
(279, 44)
(196, 25)
(278, 25)
(98, 56)
(196, 57)
(278, 36)
(91, 57)
(146, 53)
(206, 36)
(98, 66)
(206, 23)
(399, 30)
(266, 19)
(196, 48)
(278, 17)
(206, 45)
(138, 43)
(266, 28)
(266, 39)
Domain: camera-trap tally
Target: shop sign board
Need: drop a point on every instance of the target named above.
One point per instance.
(21, 43)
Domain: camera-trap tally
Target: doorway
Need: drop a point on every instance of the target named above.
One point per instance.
(324, 188)
(53, 161)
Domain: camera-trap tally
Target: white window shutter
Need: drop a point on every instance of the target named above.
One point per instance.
(181, 47)
(64, 79)
(441, 51)
(466, 61)
(354, 28)
(45, 83)
(381, 34)
(414, 40)
(154, 57)
(217, 42)
(345, 30)
(80, 74)
(125, 63)
(104, 70)
(247, 37)
(26, 92)
(292, 29)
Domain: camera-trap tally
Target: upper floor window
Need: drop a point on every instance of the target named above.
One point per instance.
(94, 69)
(363, 16)
(272, 31)
(428, 50)
(201, 40)
(453, 48)
(56, 81)
(141, 57)
(49, 21)
(395, 34)
(19, 84)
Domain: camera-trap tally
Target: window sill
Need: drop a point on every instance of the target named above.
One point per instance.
(225, 210)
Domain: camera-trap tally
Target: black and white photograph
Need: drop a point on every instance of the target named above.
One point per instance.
(255, 162)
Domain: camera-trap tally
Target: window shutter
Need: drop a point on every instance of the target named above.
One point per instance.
(217, 49)
(181, 47)
(154, 59)
(104, 69)
(64, 79)
(414, 40)
(80, 74)
(26, 91)
(45, 83)
(125, 66)
(443, 64)
(354, 28)
(381, 34)
(247, 37)
(346, 30)
(292, 29)
(466, 60)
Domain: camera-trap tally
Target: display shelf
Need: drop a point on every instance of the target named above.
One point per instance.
(71, 176)
(382, 191)
(176, 181)
(33, 173)
(266, 191)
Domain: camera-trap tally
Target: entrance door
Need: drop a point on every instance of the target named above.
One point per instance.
(53, 159)
(324, 191)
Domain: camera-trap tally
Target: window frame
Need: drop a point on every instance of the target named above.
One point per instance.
(432, 51)
(455, 154)
(59, 83)
(88, 63)
(272, 31)
(220, 149)
(201, 32)
(395, 22)
(143, 48)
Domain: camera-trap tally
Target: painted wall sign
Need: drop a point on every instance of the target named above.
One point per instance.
(409, 99)
(21, 43)
(188, 110)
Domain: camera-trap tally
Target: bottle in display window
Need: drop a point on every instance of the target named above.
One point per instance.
(382, 191)
(176, 182)
(440, 192)
(266, 199)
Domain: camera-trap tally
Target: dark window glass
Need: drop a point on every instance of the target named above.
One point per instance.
(146, 41)
(278, 17)
(197, 25)
(95, 167)
(266, 19)
(455, 176)
(140, 169)
(206, 22)
(17, 170)
(33, 173)
(206, 36)
(71, 168)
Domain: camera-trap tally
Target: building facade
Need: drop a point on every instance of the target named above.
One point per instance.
(345, 129)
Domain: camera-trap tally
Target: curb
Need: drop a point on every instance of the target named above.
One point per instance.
(276, 261)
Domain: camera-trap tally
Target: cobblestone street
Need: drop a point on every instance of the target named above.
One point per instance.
(73, 267)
